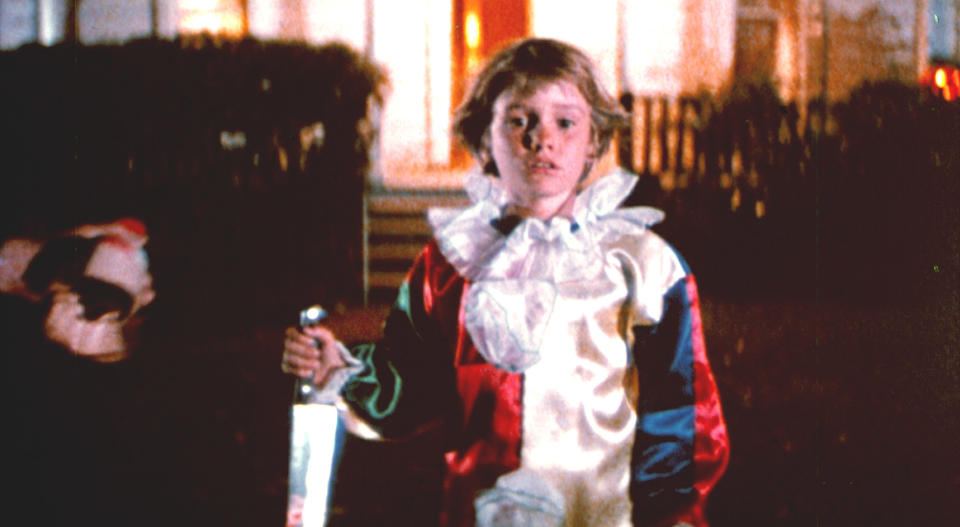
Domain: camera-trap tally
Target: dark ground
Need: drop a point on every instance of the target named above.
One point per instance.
(840, 413)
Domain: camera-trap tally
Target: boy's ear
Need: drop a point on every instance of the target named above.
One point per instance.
(593, 153)
(485, 141)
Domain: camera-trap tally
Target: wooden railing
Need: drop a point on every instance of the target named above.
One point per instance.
(765, 195)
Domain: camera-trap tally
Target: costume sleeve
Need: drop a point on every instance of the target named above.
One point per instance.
(407, 380)
(682, 446)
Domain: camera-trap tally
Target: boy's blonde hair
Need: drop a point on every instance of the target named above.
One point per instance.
(525, 66)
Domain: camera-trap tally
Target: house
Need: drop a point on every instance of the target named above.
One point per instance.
(430, 48)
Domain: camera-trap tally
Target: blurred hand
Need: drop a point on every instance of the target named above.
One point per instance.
(131, 230)
(100, 340)
(310, 353)
(121, 259)
(17, 253)
(15, 257)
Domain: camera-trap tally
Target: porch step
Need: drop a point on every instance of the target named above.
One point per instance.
(407, 202)
(397, 231)
(380, 280)
(406, 226)
(390, 251)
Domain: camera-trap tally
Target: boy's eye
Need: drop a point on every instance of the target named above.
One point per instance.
(517, 121)
(565, 123)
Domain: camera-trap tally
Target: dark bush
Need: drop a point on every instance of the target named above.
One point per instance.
(247, 160)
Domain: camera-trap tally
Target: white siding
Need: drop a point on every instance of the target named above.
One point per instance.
(659, 62)
(113, 20)
(591, 26)
(18, 23)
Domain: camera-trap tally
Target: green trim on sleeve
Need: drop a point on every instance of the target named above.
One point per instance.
(372, 397)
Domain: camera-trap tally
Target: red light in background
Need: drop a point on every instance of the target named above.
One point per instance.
(940, 78)
(944, 81)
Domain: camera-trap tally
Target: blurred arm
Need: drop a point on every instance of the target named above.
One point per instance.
(15, 256)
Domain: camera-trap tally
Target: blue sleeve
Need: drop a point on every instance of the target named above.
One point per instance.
(681, 446)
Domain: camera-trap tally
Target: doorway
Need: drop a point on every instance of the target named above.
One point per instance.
(480, 29)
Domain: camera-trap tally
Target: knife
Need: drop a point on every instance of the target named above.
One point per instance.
(316, 441)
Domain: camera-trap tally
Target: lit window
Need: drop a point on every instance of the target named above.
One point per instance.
(472, 31)
(217, 17)
(940, 78)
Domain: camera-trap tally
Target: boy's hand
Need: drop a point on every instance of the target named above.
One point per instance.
(131, 230)
(311, 353)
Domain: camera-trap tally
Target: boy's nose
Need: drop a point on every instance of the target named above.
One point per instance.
(539, 138)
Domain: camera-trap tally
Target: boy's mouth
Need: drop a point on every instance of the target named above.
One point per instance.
(539, 165)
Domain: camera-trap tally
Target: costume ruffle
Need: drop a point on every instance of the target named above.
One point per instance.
(520, 497)
(513, 275)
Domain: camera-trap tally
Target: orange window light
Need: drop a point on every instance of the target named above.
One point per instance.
(472, 30)
(940, 78)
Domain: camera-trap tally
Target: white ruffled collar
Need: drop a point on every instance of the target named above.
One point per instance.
(471, 243)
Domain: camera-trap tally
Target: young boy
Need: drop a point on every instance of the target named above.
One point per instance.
(554, 336)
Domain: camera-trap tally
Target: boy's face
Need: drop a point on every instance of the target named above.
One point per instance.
(541, 141)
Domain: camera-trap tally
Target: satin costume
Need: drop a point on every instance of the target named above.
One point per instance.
(566, 352)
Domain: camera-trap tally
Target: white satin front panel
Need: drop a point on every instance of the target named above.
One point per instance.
(579, 418)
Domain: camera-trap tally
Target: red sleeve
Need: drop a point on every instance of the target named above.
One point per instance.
(682, 446)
